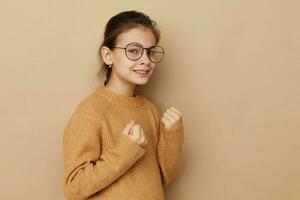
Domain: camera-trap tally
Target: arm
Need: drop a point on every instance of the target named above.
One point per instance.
(86, 170)
(170, 150)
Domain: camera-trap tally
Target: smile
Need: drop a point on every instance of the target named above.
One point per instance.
(142, 72)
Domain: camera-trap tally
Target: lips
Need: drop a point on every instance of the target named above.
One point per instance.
(141, 71)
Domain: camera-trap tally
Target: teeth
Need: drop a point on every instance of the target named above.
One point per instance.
(141, 71)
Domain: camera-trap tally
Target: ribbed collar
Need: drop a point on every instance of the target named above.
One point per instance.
(119, 99)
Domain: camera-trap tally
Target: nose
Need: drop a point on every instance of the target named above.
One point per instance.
(145, 57)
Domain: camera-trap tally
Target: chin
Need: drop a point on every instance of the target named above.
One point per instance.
(141, 82)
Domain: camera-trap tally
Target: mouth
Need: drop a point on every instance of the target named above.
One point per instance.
(142, 72)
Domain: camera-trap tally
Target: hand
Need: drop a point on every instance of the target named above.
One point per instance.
(171, 117)
(135, 133)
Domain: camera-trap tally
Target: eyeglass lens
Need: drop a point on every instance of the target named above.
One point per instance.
(135, 51)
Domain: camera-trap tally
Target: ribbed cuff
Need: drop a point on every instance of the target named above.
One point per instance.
(175, 134)
(129, 150)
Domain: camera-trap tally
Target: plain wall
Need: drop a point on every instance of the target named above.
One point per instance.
(231, 67)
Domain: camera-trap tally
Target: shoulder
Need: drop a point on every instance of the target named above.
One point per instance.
(151, 106)
(149, 103)
(92, 106)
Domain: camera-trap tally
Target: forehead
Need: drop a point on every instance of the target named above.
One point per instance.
(141, 35)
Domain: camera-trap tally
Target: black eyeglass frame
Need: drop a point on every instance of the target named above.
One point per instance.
(143, 48)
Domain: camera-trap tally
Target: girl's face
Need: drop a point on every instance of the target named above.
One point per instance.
(123, 69)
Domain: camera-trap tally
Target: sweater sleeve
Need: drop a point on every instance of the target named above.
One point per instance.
(86, 169)
(169, 150)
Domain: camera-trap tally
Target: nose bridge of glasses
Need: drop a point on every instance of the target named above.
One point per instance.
(147, 52)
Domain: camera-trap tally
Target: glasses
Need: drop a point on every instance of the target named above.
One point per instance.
(135, 51)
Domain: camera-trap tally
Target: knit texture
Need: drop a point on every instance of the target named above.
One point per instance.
(101, 163)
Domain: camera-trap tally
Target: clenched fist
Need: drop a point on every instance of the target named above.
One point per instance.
(135, 133)
(171, 117)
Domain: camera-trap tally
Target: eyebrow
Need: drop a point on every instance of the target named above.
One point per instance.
(140, 44)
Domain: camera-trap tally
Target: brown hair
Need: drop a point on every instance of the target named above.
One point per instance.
(117, 25)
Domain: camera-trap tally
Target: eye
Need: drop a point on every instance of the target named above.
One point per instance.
(151, 52)
(134, 51)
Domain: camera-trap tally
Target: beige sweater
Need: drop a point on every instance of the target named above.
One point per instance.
(102, 163)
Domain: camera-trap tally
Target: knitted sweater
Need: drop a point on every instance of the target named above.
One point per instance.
(101, 163)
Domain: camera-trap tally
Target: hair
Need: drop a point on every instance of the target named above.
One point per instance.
(118, 24)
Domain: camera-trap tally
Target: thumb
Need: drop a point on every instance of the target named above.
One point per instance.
(128, 127)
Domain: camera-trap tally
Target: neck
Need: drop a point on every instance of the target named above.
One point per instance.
(121, 88)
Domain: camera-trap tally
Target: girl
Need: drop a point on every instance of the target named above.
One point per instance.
(116, 144)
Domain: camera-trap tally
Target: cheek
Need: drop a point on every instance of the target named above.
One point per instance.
(124, 63)
(124, 67)
(153, 65)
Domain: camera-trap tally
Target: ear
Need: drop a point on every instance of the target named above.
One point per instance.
(106, 55)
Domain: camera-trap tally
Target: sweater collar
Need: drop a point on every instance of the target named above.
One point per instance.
(119, 99)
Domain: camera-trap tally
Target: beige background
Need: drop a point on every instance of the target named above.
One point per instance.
(231, 67)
